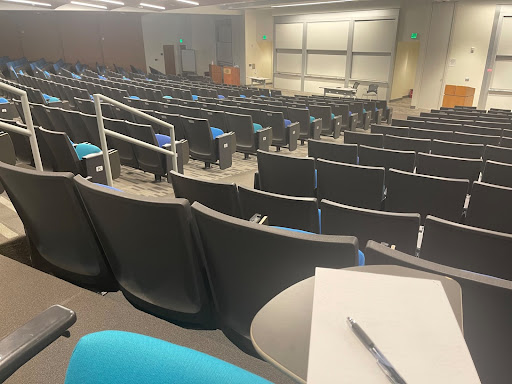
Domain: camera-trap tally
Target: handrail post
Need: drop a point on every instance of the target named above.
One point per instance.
(103, 138)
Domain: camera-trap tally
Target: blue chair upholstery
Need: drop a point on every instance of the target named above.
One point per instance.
(49, 98)
(243, 96)
(135, 97)
(364, 110)
(162, 139)
(287, 122)
(84, 149)
(115, 357)
(76, 76)
(361, 254)
(221, 97)
(194, 97)
(216, 132)
(332, 116)
(311, 119)
(257, 127)
(3, 100)
(126, 78)
(102, 77)
(167, 97)
(46, 74)
(108, 186)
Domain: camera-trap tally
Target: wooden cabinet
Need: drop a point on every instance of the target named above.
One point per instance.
(225, 75)
(455, 95)
(216, 73)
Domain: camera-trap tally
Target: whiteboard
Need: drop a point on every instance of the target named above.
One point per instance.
(326, 65)
(503, 101)
(287, 82)
(374, 36)
(313, 85)
(328, 36)
(505, 44)
(289, 36)
(188, 60)
(502, 75)
(289, 62)
(370, 67)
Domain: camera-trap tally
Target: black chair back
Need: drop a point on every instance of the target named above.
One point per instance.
(426, 195)
(65, 158)
(341, 153)
(387, 158)
(355, 185)
(431, 134)
(217, 119)
(389, 130)
(450, 148)
(475, 139)
(369, 139)
(61, 236)
(499, 154)
(396, 229)
(148, 160)
(200, 139)
(445, 166)
(497, 173)
(398, 143)
(126, 150)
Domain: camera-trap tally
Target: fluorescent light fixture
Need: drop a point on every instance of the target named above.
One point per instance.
(188, 2)
(151, 6)
(30, 3)
(112, 2)
(315, 3)
(89, 5)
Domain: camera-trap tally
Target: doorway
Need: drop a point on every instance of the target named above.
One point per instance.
(406, 63)
(169, 60)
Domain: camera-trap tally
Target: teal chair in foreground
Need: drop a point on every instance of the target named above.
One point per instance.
(115, 357)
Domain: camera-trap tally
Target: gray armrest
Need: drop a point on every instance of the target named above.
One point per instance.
(293, 133)
(224, 152)
(28, 340)
(336, 126)
(264, 138)
(315, 129)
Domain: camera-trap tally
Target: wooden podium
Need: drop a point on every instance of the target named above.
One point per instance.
(225, 75)
(458, 96)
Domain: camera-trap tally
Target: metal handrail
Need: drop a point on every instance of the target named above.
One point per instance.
(29, 131)
(103, 140)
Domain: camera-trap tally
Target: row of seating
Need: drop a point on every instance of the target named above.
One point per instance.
(363, 186)
(157, 250)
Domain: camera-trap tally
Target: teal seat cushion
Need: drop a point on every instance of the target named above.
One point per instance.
(76, 76)
(134, 97)
(3, 100)
(115, 357)
(102, 77)
(84, 149)
(162, 139)
(361, 254)
(167, 97)
(216, 132)
(194, 97)
(287, 122)
(311, 119)
(364, 110)
(243, 96)
(256, 127)
(332, 116)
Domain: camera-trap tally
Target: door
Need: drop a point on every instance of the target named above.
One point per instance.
(435, 57)
(169, 59)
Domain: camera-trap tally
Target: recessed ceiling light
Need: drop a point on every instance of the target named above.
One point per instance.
(151, 6)
(112, 2)
(315, 3)
(188, 2)
(89, 5)
(30, 3)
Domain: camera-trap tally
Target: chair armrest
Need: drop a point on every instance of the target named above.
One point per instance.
(336, 126)
(223, 148)
(28, 340)
(315, 128)
(264, 138)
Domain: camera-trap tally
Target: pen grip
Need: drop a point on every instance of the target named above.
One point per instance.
(362, 336)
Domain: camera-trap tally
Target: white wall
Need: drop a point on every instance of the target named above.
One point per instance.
(257, 50)
(198, 33)
(406, 61)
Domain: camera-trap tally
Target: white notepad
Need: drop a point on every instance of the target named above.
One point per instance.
(410, 320)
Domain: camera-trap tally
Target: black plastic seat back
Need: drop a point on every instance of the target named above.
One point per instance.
(468, 248)
(369, 139)
(217, 119)
(431, 134)
(190, 112)
(350, 184)
(449, 148)
(497, 173)
(148, 160)
(242, 125)
(486, 300)
(426, 195)
(322, 112)
(475, 139)
(248, 264)
(57, 225)
(481, 130)
(302, 116)
(77, 127)
(65, 158)
(282, 211)
(164, 279)
(126, 150)
(445, 166)
(222, 197)
(390, 130)
(398, 229)
(175, 120)
(398, 143)
(488, 207)
(276, 121)
(442, 126)
(286, 175)
(254, 113)
(499, 154)
(387, 158)
(341, 153)
(200, 139)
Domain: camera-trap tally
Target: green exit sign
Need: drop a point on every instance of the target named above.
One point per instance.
(181, 41)
(264, 37)
(414, 35)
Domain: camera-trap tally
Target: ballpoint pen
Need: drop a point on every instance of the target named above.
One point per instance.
(383, 363)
